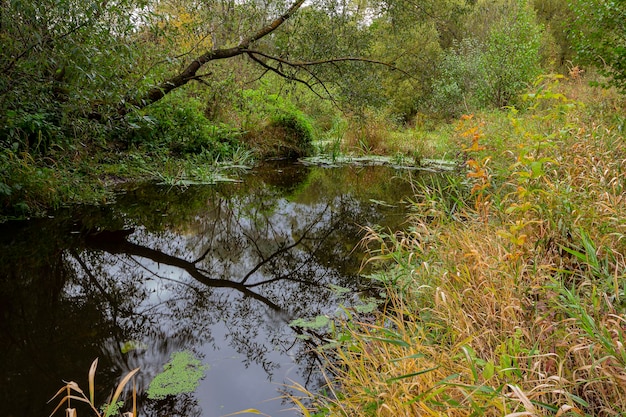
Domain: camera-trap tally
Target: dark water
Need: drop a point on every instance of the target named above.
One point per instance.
(219, 271)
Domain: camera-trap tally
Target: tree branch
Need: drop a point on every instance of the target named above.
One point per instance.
(289, 77)
(304, 64)
(159, 91)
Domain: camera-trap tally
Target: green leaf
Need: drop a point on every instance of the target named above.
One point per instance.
(537, 169)
(415, 356)
(396, 342)
(489, 370)
(580, 256)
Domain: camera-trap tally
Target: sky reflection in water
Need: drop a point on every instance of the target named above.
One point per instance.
(216, 270)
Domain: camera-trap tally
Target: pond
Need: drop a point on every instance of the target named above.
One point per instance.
(217, 271)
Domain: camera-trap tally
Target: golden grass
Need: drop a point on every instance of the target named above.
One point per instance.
(367, 137)
(72, 392)
(516, 304)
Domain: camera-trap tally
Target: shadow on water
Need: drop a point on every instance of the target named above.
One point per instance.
(219, 271)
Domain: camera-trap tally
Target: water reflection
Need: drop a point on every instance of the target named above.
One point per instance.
(219, 271)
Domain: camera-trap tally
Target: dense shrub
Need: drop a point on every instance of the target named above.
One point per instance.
(297, 128)
(275, 127)
(599, 35)
(179, 123)
(455, 90)
(31, 131)
(490, 68)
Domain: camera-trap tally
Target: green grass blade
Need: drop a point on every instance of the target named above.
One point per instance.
(412, 374)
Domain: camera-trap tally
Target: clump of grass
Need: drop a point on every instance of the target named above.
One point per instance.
(508, 299)
(287, 134)
(367, 135)
(73, 392)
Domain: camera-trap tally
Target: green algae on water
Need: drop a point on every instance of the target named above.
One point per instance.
(180, 375)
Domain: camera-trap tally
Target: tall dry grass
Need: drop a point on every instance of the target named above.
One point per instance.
(511, 299)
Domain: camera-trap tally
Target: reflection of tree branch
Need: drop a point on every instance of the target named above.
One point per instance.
(126, 247)
(140, 265)
(274, 255)
(285, 277)
(105, 294)
(283, 249)
(288, 276)
(115, 242)
(214, 226)
(95, 282)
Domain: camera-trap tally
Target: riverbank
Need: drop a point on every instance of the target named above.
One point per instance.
(508, 295)
(31, 187)
(33, 183)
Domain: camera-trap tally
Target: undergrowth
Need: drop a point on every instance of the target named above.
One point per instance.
(33, 186)
(507, 296)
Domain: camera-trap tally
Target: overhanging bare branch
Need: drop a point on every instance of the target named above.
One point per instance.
(304, 64)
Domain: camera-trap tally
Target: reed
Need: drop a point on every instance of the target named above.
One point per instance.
(509, 299)
(72, 392)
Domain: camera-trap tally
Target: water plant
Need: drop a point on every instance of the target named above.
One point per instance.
(180, 375)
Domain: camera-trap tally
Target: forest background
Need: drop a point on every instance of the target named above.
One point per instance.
(97, 92)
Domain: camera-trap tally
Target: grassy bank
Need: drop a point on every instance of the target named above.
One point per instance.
(32, 186)
(173, 142)
(508, 294)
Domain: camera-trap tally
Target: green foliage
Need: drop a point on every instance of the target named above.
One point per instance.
(416, 47)
(180, 375)
(29, 186)
(455, 89)
(59, 64)
(30, 131)
(297, 126)
(599, 36)
(511, 56)
(178, 122)
(493, 65)
(556, 16)
(277, 126)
